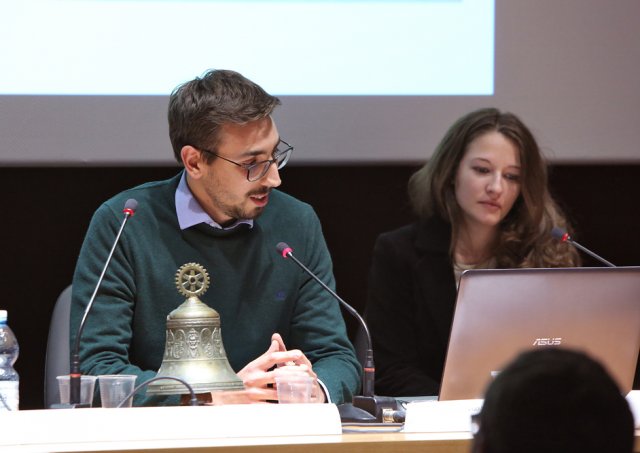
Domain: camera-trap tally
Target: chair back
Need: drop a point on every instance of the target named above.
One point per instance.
(58, 350)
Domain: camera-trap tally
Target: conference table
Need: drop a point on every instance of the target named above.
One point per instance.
(352, 443)
(363, 442)
(232, 429)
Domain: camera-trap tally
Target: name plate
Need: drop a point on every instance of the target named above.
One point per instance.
(441, 416)
(455, 416)
(33, 427)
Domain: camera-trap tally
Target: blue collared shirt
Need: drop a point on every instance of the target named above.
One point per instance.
(190, 212)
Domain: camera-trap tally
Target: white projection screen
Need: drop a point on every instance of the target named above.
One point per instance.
(86, 82)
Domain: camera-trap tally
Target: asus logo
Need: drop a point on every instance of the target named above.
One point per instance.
(547, 341)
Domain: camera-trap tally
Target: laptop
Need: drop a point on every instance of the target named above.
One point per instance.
(502, 312)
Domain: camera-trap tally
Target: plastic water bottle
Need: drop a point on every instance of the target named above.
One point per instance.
(9, 379)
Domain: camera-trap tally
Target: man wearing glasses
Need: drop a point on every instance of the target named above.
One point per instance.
(223, 212)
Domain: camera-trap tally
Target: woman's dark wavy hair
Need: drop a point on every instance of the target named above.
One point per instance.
(199, 108)
(525, 233)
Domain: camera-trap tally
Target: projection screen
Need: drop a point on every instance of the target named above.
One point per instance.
(86, 82)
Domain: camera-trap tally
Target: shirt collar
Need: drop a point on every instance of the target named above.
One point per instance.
(190, 212)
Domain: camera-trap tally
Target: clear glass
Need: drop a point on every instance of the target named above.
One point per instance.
(294, 388)
(114, 388)
(87, 385)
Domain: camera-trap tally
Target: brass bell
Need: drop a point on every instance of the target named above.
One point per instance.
(193, 347)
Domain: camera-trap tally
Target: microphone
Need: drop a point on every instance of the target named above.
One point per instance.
(563, 236)
(375, 407)
(129, 210)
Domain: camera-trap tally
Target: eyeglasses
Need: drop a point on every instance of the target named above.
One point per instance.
(257, 170)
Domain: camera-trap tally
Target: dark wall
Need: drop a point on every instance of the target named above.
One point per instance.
(47, 211)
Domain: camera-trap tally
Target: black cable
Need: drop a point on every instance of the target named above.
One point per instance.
(192, 402)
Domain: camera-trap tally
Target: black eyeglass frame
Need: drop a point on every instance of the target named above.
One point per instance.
(266, 163)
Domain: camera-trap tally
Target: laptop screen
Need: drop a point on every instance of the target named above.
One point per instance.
(502, 312)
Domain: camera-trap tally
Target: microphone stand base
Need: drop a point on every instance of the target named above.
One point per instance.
(367, 409)
(351, 414)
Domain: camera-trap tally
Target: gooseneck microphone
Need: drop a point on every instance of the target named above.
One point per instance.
(563, 236)
(368, 378)
(377, 407)
(129, 210)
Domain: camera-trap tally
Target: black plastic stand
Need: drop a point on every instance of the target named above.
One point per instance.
(367, 409)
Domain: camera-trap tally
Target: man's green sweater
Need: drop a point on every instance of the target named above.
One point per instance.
(255, 291)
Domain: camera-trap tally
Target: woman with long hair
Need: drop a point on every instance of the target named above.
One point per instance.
(482, 202)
